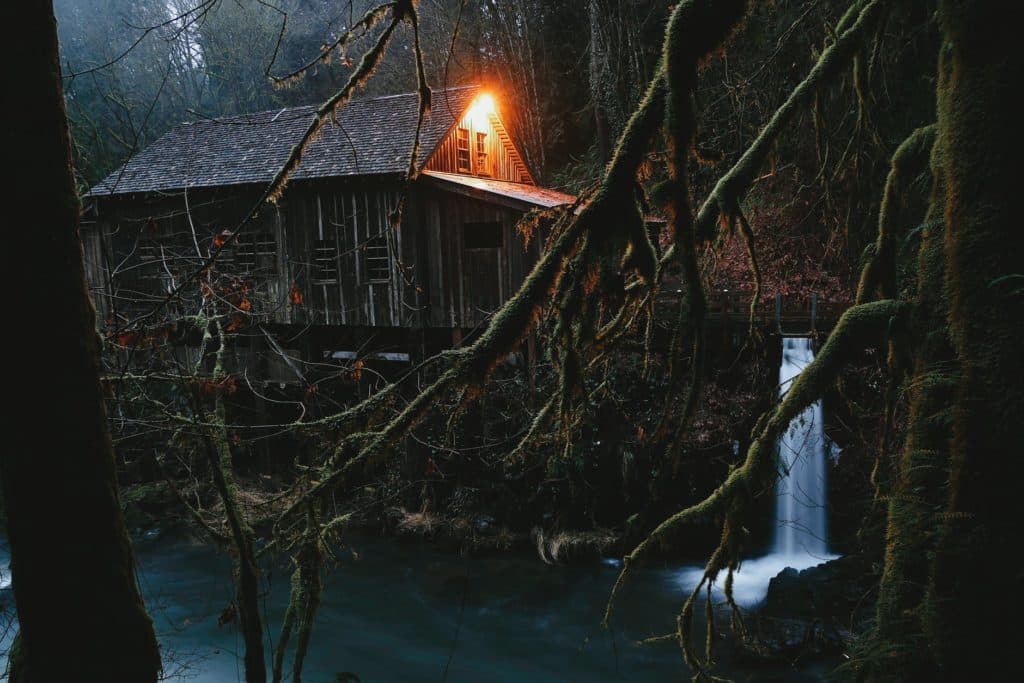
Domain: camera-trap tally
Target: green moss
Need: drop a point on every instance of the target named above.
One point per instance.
(909, 161)
(966, 604)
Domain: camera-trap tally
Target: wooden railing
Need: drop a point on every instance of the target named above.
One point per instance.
(786, 314)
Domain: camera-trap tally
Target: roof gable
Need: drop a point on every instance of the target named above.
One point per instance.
(500, 158)
(372, 136)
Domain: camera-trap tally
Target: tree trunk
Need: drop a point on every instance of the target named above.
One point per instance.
(246, 569)
(79, 608)
(977, 591)
(947, 588)
(598, 82)
(915, 494)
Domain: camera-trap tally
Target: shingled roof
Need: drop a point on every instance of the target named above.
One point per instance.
(373, 136)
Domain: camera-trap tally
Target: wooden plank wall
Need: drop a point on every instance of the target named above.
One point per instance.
(129, 230)
(95, 251)
(470, 283)
(434, 280)
(503, 162)
(351, 216)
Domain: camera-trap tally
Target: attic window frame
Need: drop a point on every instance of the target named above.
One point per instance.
(463, 156)
(481, 153)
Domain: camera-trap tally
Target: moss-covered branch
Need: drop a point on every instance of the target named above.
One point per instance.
(327, 110)
(909, 160)
(246, 569)
(695, 31)
(731, 187)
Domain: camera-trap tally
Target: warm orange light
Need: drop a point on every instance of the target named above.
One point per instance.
(481, 111)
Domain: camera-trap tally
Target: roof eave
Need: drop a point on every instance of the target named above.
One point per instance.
(489, 196)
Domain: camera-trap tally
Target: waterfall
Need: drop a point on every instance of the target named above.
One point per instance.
(801, 520)
(800, 493)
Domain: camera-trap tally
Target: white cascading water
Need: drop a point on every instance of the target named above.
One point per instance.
(801, 520)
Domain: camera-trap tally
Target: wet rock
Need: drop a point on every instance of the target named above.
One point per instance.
(833, 589)
(807, 614)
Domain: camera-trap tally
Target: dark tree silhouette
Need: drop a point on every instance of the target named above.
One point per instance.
(79, 608)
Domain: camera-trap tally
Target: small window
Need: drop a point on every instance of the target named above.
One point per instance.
(462, 150)
(481, 154)
(255, 251)
(151, 261)
(226, 260)
(377, 259)
(325, 261)
(481, 235)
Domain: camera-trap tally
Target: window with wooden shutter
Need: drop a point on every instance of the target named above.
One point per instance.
(256, 252)
(462, 150)
(151, 260)
(325, 261)
(377, 259)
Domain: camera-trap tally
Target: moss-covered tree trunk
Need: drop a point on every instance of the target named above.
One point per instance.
(977, 591)
(80, 612)
(915, 492)
(246, 570)
(949, 596)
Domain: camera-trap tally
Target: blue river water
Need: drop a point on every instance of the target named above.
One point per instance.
(408, 612)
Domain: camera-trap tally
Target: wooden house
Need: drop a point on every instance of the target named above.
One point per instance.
(325, 260)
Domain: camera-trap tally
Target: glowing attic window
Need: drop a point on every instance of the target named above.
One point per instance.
(481, 153)
(462, 150)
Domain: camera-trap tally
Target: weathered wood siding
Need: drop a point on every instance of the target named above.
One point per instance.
(501, 160)
(325, 256)
(467, 283)
(368, 284)
(141, 246)
(94, 250)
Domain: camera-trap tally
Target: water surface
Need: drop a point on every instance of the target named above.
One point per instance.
(412, 612)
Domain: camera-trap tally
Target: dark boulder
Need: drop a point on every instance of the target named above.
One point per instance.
(836, 589)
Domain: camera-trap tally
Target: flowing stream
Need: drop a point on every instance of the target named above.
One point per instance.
(408, 612)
